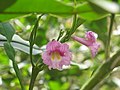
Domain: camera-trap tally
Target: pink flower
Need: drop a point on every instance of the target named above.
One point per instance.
(89, 41)
(56, 55)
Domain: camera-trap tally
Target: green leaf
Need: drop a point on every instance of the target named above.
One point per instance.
(108, 6)
(100, 27)
(35, 6)
(40, 6)
(5, 17)
(5, 4)
(7, 30)
(3, 58)
(20, 44)
(54, 85)
(103, 70)
(65, 86)
(9, 51)
(92, 10)
(88, 13)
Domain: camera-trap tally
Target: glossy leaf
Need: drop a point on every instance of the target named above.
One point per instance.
(7, 30)
(40, 6)
(108, 6)
(84, 10)
(32, 6)
(20, 44)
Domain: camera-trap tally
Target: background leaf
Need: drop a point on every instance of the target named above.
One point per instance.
(100, 27)
(9, 51)
(7, 30)
(5, 4)
(88, 13)
(20, 44)
(106, 5)
(85, 10)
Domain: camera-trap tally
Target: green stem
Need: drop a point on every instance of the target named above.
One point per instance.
(75, 3)
(109, 37)
(31, 47)
(33, 37)
(72, 30)
(102, 72)
(76, 23)
(109, 34)
(15, 66)
(35, 71)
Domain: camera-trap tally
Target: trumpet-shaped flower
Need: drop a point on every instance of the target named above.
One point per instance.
(56, 55)
(89, 41)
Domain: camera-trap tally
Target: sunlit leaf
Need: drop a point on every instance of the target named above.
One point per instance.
(6, 17)
(85, 10)
(3, 58)
(111, 7)
(20, 44)
(54, 85)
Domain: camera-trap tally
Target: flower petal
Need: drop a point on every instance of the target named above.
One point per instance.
(56, 65)
(63, 48)
(94, 48)
(81, 40)
(46, 58)
(90, 36)
(52, 46)
(66, 59)
(56, 55)
(89, 41)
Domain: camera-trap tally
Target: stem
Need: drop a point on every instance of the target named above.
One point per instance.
(35, 71)
(31, 57)
(109, 37)
(72, 30)
(33, 37)
(76, 23)
(109, 34)
(60, 34)
(75, 3)
(102, 72)
(15, 66)
(73, 25)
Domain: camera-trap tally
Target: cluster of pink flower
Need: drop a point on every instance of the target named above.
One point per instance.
(57, 54)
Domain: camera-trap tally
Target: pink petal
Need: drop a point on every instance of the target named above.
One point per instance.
(94, 49)
(56, 65)
(52, 46)
(46, 58)
(89, 41)
(90, 36)
(55, 49)
(66, 59)
(63, 48)
(81, 40)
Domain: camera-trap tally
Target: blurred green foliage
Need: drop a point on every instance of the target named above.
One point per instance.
(22, 14)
